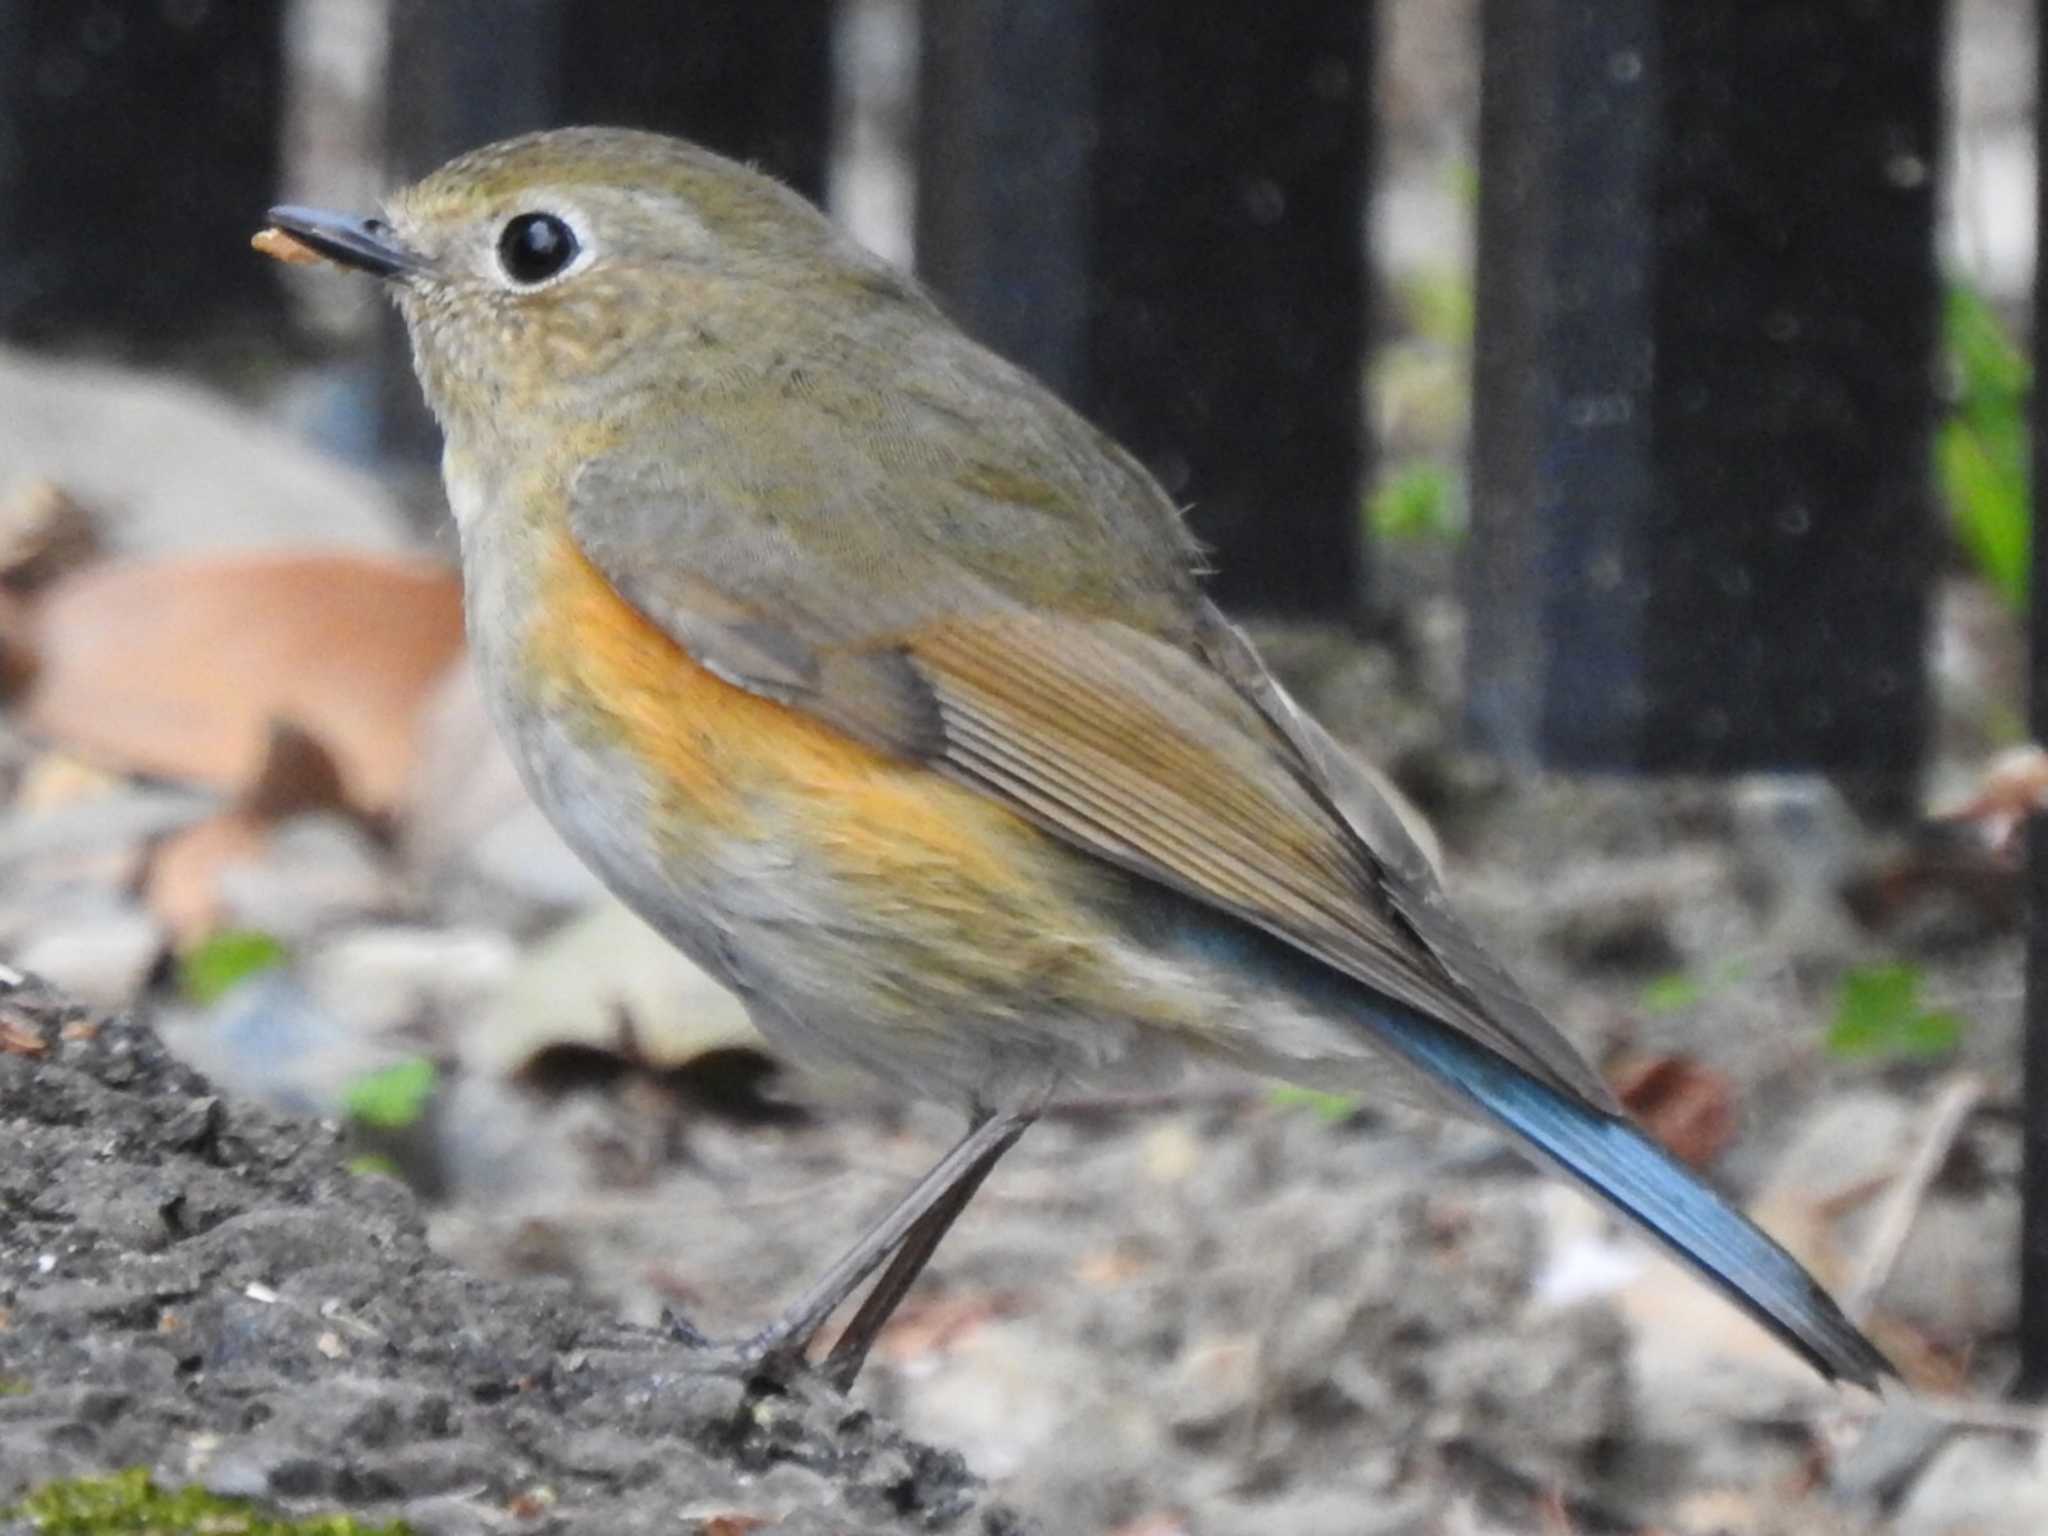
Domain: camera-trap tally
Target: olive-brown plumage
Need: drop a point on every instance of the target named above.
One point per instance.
(884, 685)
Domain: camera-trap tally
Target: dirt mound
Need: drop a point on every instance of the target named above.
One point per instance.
(206, 1290)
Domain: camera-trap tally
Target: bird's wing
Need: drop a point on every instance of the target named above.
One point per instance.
(1146, 751)
(1409, 880)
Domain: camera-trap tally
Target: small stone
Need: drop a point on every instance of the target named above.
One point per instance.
(1626, 930)
(101, 952)
(196, 1124)
(270, 1039)
(1851, 1140)
(1955, 1279)
(316, 871)
(1979, 1485)
(387, 980)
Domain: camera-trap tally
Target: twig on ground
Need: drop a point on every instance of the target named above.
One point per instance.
(1950, 1111)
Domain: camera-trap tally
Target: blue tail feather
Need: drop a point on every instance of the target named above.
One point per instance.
(1617, 1162)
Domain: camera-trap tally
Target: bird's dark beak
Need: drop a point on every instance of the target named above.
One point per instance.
(365, 244)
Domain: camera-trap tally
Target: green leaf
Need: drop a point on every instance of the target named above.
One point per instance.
(1439, 305)
(1418, 500)
(1878, 1013)
(1976, 338)
(1676, 991)
(1673, 992)
(394, 1097)
(213, 967)
(1332, 1107)
(1981, 455)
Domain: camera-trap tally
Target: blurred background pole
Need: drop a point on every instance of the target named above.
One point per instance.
(1158, 208)
(1707, 310)
(458, 73)
(750, 80)
(136, 138)
(1005, 137)
(2033, 1379)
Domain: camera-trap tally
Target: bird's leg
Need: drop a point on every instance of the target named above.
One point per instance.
(961, 1169)
(915, 1251)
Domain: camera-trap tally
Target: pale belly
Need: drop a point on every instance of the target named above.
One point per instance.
(868, 913)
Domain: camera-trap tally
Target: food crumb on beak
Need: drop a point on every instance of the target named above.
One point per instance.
(289, 249)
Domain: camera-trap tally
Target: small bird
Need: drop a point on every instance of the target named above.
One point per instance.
(883, 685)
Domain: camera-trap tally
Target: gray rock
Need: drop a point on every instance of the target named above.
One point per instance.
(608, 981)
(1850, 1140)
(271, 1040)
(100, 949)
(1979, 1485)
(315, 872)
(166, 467)
(313, 1350)
(1955, 1279)
(387, 979)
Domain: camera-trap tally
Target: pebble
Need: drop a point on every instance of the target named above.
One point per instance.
(388, 979)
(1979, 1485)
(315, 871)
(102, 950)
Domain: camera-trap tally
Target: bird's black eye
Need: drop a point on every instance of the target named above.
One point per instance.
(535, 247)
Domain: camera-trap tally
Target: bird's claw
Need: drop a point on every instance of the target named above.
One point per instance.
(685, 1332)
(770, 1354)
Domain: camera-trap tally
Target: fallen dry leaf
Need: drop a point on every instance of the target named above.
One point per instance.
(1110, 1269)
(1686, 1105)
(182, 885)
(530, 1504)
(17, 1039)
(45, 533)
(1160, 1522)
(298, 775)
(181, 667)
(732, 1525)
(2014, 787)
(17, 647)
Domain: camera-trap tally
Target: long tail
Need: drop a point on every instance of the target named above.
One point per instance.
(1618, 1163)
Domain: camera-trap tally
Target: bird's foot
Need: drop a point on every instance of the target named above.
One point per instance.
(773, 1354)
(685, 1332)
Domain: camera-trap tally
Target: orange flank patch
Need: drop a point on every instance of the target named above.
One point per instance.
(737, 763)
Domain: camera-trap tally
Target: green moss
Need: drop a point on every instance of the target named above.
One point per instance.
(129, 1504)
(15, 1386)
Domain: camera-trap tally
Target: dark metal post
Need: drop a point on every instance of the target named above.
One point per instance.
(2033, 1329)
(749, 80)
(1006, 101)
(138, 138)
(1159, 209)
(1707, 317)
